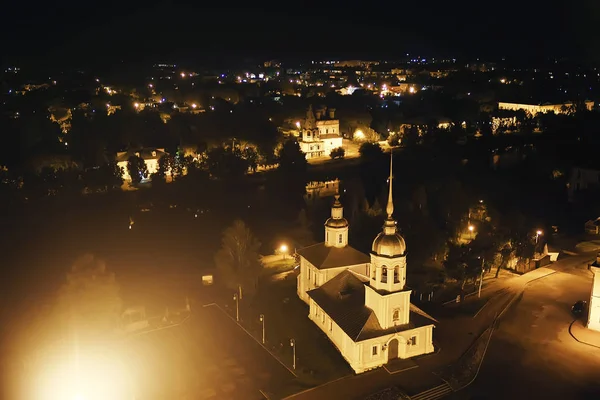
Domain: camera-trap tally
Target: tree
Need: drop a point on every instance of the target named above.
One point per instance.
(461, 265)
(165, 165)
(226, 163)
(89, 301)
(108, 176)
(411, 137)
(237, 259)
(370, 152)
(251, 156)
(137, 168)
(288, 182)
(338, 152)
(291, 158)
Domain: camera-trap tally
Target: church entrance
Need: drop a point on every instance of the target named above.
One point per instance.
(393, 349)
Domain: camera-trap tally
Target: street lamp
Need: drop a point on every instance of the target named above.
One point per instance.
(293, 345)
(481, 279)
(283, 249)
(298, 124)
(237, 307)
(537, 235)
(262, 319)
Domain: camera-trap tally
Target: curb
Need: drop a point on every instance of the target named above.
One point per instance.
(579, 341)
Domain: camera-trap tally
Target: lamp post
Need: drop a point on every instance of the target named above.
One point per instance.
(538, 233)
(481, 279)
(293, 345)
(471, 229)
(237, 307)
(283, 249)
(262, 319)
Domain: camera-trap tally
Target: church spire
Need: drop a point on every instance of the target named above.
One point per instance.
(389, 227)
(390, 204)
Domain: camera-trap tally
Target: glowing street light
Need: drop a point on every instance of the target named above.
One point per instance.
(136, 105)
(183, 74)
(194, 105)
(359, 134)
(538, 233)
(471, 228)
(298, 124)
(283, 249)
(262, 319)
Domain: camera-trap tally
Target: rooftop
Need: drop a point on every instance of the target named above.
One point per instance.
(324, 257)
(343, 299)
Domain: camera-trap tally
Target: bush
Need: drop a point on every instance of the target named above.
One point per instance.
(338, 152)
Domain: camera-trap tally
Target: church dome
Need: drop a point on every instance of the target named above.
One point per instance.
(390, 245)
(336, 223)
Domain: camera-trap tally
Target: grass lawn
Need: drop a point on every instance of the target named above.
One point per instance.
(462, 373)
(276, 263)
(286, 317)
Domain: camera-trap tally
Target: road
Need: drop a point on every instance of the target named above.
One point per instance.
(208, 358)
(531, 354)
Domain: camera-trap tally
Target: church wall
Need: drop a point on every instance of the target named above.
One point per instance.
(594, 308)
(423, 345)
(360, 355)
(385, 306)
(346, 346)
(333, 143)
(328, 126)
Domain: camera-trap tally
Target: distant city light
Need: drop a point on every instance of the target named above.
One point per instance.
(194, 105)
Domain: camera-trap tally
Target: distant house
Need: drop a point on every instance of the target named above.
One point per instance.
(593, 226)
(149, 155)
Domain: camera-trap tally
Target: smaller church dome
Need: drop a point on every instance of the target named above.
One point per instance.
(336, 223)
(389, 245)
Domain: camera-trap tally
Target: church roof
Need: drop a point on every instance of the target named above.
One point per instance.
(343, 299)
(324, 257)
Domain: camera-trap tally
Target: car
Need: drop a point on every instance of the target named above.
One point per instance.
(578, 308)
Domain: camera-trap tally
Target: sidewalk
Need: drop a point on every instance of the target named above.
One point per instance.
(584, 335)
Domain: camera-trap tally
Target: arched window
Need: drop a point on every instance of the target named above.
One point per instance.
(396, 315)
(384, 273)
(397, 274)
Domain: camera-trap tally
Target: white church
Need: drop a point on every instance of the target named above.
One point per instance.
(361, 302)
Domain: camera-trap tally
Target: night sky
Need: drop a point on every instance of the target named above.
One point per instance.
(84, 34)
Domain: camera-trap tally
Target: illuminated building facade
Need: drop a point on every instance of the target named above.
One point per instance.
(361, 302)
(321, 133)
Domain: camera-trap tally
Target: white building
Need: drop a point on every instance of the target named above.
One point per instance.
(561, 108)
(361, 302)
(594, 309)
(321, 133)
(150, 157)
